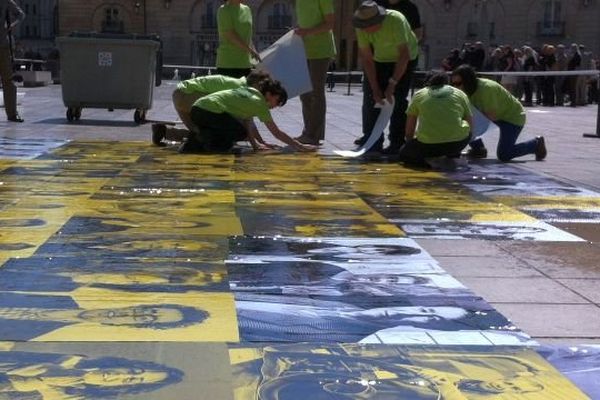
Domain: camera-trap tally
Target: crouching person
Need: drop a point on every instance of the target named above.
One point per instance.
(190, 91)
(444, 119)
(222, 119)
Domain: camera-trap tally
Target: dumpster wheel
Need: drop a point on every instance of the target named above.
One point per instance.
(139, 116)
(73, 114)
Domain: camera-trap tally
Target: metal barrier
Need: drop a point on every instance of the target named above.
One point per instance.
(350, 74)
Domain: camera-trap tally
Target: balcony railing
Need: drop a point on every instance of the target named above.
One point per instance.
(279, 22)
(551, 28)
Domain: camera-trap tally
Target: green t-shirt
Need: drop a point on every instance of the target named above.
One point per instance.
(210, 83)
(243, 103)
(491, 97)
(394, 32)
(238, 19)
(441, 114)
(311, 13)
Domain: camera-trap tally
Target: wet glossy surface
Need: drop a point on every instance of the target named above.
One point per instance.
(110, 242)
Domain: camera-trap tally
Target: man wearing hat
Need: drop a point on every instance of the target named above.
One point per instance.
(386, 45)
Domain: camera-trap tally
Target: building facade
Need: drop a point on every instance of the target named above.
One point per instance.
(189, 33)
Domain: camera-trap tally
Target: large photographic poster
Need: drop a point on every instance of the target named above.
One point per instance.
(94, 371)
(355, 290)
(301, 371)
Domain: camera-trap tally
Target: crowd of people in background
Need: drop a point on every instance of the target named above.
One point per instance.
(534, 90)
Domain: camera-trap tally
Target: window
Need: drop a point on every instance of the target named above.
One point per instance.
(112, 22)
(552, 13)
(209, 18)
(280, 17)
(552, 23)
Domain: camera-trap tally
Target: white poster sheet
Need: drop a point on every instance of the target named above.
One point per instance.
(286, 61)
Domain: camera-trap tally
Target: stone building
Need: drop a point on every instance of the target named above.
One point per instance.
(188, 27)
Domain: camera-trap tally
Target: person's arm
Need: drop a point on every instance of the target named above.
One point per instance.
(255, 138)
(411, 126)
(226, 27)
(399, 70)
(234, 38)
(366, 57)
(418, 34)
(469, 120)
(285, 138)
(325, 26)
(17, 14)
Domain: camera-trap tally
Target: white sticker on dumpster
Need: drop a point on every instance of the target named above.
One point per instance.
(104, 59)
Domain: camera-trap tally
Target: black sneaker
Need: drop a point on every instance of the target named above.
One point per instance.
(190, 146)
(159, 132)
(15, 118)
(361, 140)
(477, 152)
(540, 148)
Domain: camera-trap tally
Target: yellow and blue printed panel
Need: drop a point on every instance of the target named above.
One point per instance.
(94, 314)
(94, 371)
(301, 371)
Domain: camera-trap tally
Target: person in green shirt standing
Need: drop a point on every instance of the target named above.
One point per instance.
(219, 118)
(504, 110)
(444, 118)
(234, 23)
(315, 26)
(386, 45)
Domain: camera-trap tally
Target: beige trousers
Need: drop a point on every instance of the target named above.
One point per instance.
(314, 106)
(183, 105)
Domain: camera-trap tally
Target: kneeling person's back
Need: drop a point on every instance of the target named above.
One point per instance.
(441, 112)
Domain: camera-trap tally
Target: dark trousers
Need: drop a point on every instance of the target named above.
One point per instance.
(508, 148)
(216, 132)
(528, 90)
(8, 87)
(384, 72)
(414, 152)
(234, 72)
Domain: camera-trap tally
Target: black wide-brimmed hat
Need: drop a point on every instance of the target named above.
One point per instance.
(368, 14)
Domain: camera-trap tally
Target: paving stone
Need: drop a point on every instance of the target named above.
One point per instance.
(554, 320)
(491, 267)
(522, 290)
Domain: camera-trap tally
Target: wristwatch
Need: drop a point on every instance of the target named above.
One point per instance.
(392, 81)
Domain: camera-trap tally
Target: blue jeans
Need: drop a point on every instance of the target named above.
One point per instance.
(507, 144)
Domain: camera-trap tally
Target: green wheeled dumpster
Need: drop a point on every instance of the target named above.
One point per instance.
(111, 71)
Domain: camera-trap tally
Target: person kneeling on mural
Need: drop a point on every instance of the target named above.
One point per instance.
(219, 118)
(444, 118)
(504, 110)
(189, 91)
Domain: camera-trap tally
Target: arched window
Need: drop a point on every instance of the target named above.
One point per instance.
(112, 22)
(209, 18)
(280, 17)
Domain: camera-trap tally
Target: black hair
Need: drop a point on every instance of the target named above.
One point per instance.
(255, 76)
(468, 77)
(436, 80)
(275, 88)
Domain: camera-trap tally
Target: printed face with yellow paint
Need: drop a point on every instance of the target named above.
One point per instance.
(154, 317)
